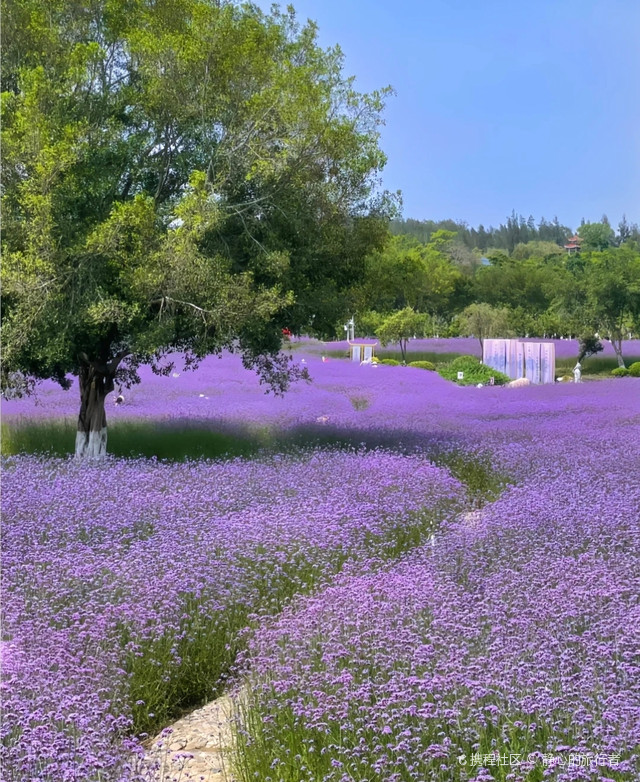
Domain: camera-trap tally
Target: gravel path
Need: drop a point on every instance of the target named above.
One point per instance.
(196, 747)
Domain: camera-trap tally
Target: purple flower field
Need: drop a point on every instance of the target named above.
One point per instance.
(117, 577)
(373, 652)
(517, 635)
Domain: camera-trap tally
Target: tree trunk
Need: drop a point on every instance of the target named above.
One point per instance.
(617, 347)
(95, 383)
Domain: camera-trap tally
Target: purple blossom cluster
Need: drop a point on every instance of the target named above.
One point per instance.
(116, 577)
(341, 394)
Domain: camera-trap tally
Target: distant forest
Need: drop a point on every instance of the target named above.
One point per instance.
(517, 230)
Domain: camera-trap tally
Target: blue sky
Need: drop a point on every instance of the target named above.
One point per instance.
(500, 104)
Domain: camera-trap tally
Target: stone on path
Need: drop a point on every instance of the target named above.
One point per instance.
(519, 383)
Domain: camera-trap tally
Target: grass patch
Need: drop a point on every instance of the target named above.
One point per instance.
(276, 744)
(564, 366)
(417, 355)
(173, 442)
(483, 481)
(591, 366)
(360, 402)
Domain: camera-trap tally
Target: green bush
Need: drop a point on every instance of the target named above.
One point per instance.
(390, 362)
(465, 363)
(634, 369)
(623, 371)
(474, 372)
(422, 365)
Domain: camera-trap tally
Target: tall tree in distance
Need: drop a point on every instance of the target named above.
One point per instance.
(408, 273)
(189, 175)
(401, 327)
(484, 321)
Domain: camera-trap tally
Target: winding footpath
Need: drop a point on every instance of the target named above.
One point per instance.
(198, 747)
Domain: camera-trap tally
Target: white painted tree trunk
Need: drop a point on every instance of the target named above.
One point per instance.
(91, 437)
(91, 445)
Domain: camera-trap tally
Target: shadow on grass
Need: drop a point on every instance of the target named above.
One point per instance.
(413, 355)
(193, 439)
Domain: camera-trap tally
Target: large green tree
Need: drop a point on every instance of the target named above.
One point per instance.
(530, 284)
(186, 175)
(596, 236)
(407, 273)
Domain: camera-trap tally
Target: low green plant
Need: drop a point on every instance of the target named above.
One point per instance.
(423, 365)
(596, 365)
(634, 369)
(623, 371)
(484, 482)
(465, 362)
(474, 372)
(390, 362)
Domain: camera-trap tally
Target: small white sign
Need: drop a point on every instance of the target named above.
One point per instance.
(460, 375)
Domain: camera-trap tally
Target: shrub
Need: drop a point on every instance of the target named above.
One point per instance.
(390, 362)
(634, 369)
(422, 365)
(463, 363)
(474, 372)
(623, 371)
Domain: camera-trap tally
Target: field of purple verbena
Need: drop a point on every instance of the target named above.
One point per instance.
(516, 632)
(341, 393)
(516, 635)
(128, 584)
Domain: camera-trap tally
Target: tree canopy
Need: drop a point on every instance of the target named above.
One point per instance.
(402, 326)
(178, 175)
(407, 273)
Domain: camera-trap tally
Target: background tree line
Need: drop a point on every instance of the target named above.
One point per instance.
(444, 288)
(517, 230)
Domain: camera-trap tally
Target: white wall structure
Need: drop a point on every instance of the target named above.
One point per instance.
(533, 360)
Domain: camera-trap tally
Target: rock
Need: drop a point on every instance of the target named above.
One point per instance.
(521, 382)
